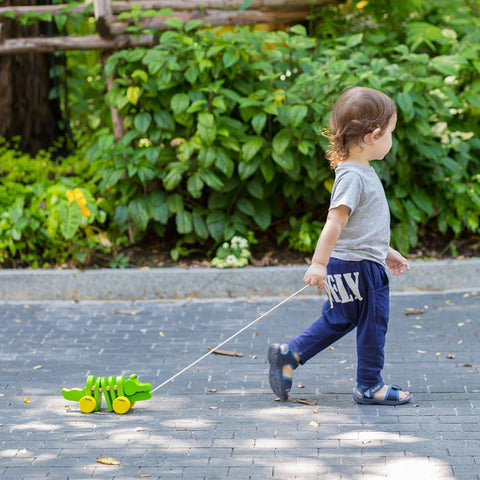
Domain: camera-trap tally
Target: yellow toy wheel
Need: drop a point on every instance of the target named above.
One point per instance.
(121, 405)
(87, 404)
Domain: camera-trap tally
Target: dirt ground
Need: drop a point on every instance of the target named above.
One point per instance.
(267, 253)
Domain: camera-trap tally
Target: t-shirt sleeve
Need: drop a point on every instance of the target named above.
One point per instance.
(346, 191)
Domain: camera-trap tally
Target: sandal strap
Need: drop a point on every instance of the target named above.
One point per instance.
(369, 392)
(288, 357)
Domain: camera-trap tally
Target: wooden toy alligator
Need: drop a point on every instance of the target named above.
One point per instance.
(120, 394)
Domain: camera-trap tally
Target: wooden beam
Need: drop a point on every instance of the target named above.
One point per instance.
(57, 44)
(110, 26)
(102, 8)
(124, 6)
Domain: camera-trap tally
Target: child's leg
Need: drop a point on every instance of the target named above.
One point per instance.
(371, 331)
(372, 326)
(330, 327)
(347, 289)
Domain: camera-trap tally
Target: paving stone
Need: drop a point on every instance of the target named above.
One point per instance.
(238, 432)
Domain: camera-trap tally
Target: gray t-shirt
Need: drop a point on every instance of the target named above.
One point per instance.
(366, 236)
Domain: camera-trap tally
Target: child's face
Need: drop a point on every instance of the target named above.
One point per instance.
(383, 144)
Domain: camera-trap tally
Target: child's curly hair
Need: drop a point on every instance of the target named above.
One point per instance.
(358, 111)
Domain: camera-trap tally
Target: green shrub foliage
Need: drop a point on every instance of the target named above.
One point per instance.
(223, 133)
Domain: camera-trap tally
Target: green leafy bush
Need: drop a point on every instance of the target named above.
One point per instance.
(223, 135)
(220, 137)
(223, 128)
(49, 213)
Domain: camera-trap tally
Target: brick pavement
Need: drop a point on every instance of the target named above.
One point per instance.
(238, 432)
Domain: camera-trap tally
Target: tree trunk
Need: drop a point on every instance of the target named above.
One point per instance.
(25, 108)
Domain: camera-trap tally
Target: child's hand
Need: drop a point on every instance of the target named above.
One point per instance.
(396, 262)
(316, 275)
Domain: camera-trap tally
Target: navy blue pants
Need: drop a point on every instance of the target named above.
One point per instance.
(360, 293)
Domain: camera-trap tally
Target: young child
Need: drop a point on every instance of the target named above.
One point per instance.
(352, 252)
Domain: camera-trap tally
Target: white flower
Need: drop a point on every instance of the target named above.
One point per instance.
(231, 261)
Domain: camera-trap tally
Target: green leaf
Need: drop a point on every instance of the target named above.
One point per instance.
(141, 74)
(251, 148)
(245, 206)
(285, 160)
(258, 122)
(138, 212)
(215, 225)
(423, 200)
(60, 21)
(224, 163)
(195, 185)
(164, 120)
(212, 180)
(268, 169)
(191, 74)
(448, 64)
(262, 216)
(184, 222)
(281, 141)
(133, 94)
(158, 207)
(70, 219)
(255, 189)
(230, 58)
(175, 23)
(142, 121)
(405, 104)
(179, 103)
(199, 225)
(245, 4)
(298, 114)
(246, 170)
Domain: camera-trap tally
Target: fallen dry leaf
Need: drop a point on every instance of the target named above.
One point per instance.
(468, 365)
(142, 475)
(107, 461)
(306, 401)
(213, 390)
(300, 385)
(127, 312)
(413, 311)
(161, 334)
(229, 353)
(314, 424)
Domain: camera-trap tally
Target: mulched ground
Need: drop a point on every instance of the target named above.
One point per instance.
(153, 253)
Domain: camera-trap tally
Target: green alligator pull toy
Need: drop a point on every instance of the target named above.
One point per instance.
(120, 394)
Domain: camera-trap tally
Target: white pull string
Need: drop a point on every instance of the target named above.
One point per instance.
(230, 338)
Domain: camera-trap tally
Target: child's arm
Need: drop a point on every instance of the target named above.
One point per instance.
(396, 262)
(317, 272)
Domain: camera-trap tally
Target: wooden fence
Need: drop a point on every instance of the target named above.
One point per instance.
(112, 33)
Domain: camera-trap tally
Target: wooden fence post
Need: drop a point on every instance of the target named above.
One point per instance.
(103, 9)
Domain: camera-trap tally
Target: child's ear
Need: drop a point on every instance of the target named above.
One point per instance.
(372, 136)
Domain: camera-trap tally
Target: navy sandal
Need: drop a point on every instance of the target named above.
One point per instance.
(366, 395)
(280, 384)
